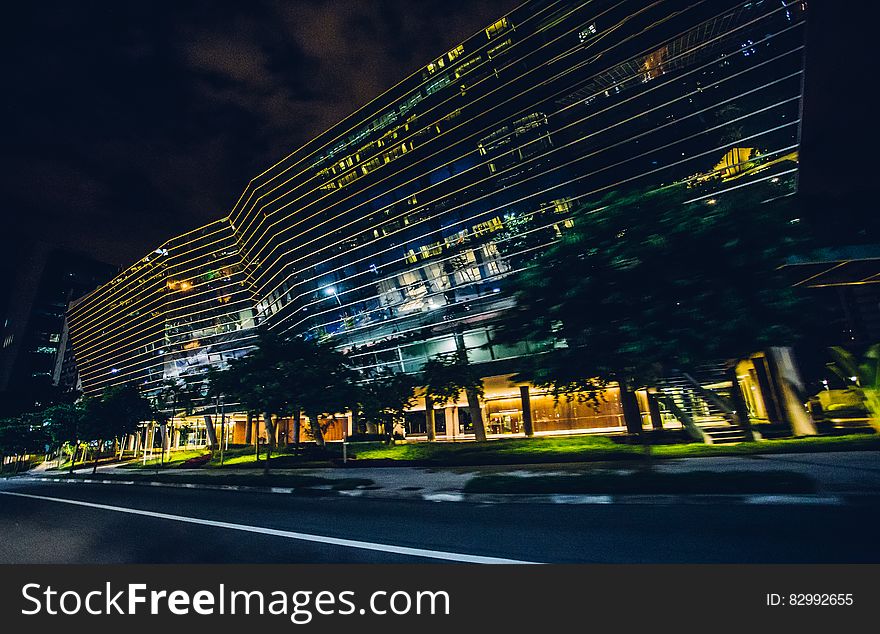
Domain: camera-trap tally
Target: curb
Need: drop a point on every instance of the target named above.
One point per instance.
(505, 498)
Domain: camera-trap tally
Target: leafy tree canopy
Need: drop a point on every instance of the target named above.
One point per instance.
(385, 399)
(446, 376)
(646, 281)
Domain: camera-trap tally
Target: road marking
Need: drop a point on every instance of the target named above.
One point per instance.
(306, 537)
(828, 500)
(443, 497)
(582, 499)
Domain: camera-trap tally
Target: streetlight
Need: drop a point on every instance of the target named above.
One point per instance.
(331, 290)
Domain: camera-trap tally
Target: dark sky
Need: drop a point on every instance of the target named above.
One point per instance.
(128, 122)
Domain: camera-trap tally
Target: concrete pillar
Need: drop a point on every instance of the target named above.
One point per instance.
(654, 411)
(790, 388)
(452, 428)
(526, 403)
(631, 413)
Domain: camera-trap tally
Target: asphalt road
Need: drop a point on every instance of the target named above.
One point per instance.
(163, 525)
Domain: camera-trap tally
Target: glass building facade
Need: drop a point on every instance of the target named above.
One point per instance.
(392, 233)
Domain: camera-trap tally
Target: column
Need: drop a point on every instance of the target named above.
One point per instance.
(654, 411)
(526, 404)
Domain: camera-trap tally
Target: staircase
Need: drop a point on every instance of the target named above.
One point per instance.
(703, 398)
(725, 435)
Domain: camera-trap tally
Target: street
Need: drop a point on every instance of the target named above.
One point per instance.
(138, 524)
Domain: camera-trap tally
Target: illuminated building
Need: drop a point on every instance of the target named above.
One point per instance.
(391, 234)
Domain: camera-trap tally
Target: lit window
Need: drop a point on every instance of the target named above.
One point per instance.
(489, 226)
(587, 33)
(492, 52)
(431, 250)
(496, 28)
(562, 206)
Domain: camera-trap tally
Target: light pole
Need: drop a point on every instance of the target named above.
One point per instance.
(331, 290)
(222, 427)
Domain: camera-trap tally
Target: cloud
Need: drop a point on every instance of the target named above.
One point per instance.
(134, 122)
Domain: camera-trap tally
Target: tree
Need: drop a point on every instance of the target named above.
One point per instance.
(233, 383)
(260, 382)
(62, 423)
(257, 380)
(174, 395)
(321, 383)
(20, 435)
(647, 282)
(118, 412)
(445, 377)
(302, 360)
(385, 399)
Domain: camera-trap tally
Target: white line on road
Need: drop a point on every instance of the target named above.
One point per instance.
(305, 537)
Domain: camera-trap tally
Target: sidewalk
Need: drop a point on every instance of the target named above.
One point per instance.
(840, 477)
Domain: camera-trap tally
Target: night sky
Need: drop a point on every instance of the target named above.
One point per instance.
(128, 122)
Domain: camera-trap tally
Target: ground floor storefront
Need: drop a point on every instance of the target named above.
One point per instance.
(507, 408)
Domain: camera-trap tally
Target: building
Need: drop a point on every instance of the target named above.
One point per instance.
(392, 233)
(47, 280)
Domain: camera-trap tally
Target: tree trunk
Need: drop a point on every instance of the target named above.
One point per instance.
(630, 405)
(268, 458)
(212, 433)
(73, 453)
(315, 427)
(247, 428)
(357, 425)
(257, 442)
(297, 427)
(163, 432)
(430, 423)
(473, 400)
(270, 429)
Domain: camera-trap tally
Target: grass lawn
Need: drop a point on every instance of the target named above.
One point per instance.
(243, 457)
(82, 464)
(648, 482)
(172, 459)
(507, 451)
(552, 449)
(590, 449)
(849, 442)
